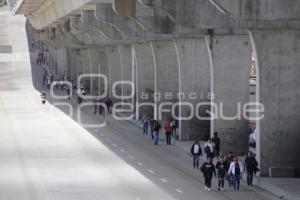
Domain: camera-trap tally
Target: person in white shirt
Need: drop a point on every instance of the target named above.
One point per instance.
(235, 173)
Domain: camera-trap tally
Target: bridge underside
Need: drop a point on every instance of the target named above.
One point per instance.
(188, 47)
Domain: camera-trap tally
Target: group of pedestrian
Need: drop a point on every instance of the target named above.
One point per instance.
(102, 106)
(169, 127)
(228, 168)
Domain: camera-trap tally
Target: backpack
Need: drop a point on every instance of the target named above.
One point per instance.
(207, 149)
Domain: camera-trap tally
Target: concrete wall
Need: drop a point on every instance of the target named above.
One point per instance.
(194, 70)
(231, 59)
(114, 69)
(145, 77)
(167, 74)
(278, 54)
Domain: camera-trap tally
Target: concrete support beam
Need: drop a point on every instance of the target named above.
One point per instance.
(53, 10)
(278, 57)
(125, 8)
(231, 61)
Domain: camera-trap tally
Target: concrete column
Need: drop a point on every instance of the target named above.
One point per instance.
(114, 70)
(167, 76)
(231, 61)
(104, 70)
(127, 71)
(125, 7)
(145, 78)
(278, 60)
(194, 85)
(94, 62)
(73, 64)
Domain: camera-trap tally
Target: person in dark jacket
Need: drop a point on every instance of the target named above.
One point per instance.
(208, 170)
(196, 152)
(221, 171)
(156, 129)
(217, 141)
(251, 167)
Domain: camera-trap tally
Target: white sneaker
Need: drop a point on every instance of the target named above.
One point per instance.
(205, 188)
(209, 189)
(222, 189)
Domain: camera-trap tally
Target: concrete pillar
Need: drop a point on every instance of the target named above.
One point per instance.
(167, 76)
(278, 58)
(231, 61)
(145, 78)
(104, 70)
(114, 70)
(73, 64)
(94, 62)
(127, 72)
(125, 7)
(194, 84)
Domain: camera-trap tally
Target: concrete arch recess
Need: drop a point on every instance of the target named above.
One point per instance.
(194, 70)
(277, 53)
(231, 57)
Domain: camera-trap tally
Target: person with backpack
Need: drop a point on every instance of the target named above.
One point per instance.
(168, 131)
(221, 171)
(251, 166)
(208, 170)
(209, 149)
(235, 173)
(196, 152)
(217, 142)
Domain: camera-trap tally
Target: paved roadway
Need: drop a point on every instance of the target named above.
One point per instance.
(45, 155)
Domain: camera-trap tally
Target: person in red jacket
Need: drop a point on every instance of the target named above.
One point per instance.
(168, 130)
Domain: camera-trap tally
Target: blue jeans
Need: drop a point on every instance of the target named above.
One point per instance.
(236, 181)
(156, 137)
(145, 128)
(196, 161)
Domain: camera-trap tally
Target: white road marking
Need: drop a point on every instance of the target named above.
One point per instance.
(115, 145)
(107, 139)
(102, 134)
(122, 150)
(164, 180)
(179, 191)
(131, 157)
(140, 164)
(151, 172)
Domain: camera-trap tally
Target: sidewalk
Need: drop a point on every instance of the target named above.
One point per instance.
(283, 188)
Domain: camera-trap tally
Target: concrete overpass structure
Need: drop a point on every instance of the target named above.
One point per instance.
(187, 46)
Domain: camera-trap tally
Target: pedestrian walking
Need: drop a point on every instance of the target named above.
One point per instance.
(196, 152)
(168, 131)
(156, 129)
(235, 173)
(174, 126)
(209, 149)
(221, 171)
(151, 123)
(217, 142)
(228, 161)
(251, 167)
(145, 122)
(208, 170)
